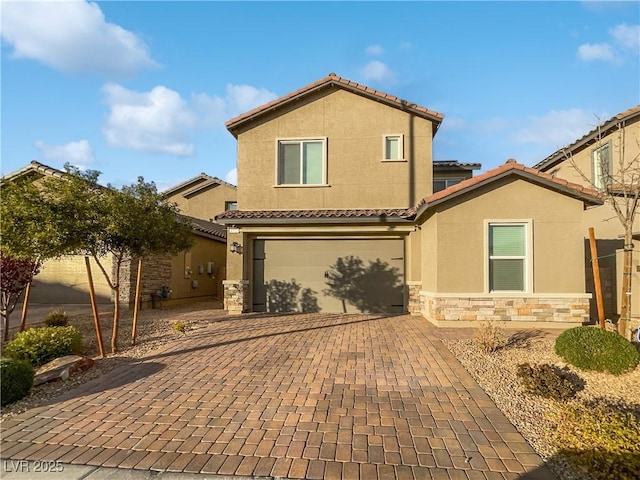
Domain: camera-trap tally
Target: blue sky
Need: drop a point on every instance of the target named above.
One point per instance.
(144, 88)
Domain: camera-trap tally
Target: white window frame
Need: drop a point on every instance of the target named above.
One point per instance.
(528, 257)
(600, 181)
(400, 138)
(280, 141)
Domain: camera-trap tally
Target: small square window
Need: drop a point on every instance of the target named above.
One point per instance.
(230, 205)
(393, 148)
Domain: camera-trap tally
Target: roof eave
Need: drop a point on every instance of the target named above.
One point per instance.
(381, 219)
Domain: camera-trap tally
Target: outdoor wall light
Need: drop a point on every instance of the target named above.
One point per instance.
(236, 248)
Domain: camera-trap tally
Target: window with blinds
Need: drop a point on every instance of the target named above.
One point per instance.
(302, 162)
(507, 257)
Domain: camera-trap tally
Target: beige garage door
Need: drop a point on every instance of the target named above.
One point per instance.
(329, 275)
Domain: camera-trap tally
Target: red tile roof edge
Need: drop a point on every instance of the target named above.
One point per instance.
(332, 78)
(508, 166)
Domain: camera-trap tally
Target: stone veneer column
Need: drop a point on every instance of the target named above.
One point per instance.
(414, 306)
(236, 296)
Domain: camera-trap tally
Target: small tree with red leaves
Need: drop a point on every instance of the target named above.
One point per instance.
(15, 275)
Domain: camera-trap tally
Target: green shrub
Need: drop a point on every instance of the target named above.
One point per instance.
(549, 381)
(602, 440)
(592, 348)
(56, 318)
(489, 337)
(41, 345)
(179, 327)
(17, 379)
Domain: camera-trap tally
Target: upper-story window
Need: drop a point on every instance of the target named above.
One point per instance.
(442, 183)
(601, 160)
(393, 147)
(230, 205)
(302, 161)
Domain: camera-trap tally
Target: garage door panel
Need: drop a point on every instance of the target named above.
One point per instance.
(332, 276)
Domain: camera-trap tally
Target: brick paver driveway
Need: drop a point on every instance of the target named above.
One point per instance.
(298, 396)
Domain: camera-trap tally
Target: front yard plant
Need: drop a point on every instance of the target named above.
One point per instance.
(592, 348)
(17, 379)
(41, 345)
(549, 381)
(56, 318)
(600, 438)
(489, 337)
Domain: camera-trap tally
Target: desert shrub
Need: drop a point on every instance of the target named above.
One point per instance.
(179, 327)
(549, 381)
(56, 318)
(489, 337)
(592, 348)
(600, 439)
(16, 377)
(41, 345)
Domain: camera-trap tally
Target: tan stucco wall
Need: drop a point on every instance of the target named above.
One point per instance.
(201, 253)
(356, 176)
(205, 204)
(459, 232)
(65, 281)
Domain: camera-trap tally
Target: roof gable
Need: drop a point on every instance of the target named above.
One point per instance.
(32, 169)
(606, 128)
(333, 81)
(195, 185)
(510, 169)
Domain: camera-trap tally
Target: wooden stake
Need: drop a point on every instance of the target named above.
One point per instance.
(596, 276)
(25, 307)
(137, 303)
(94, 307)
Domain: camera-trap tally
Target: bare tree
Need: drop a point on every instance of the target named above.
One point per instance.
(617, 178)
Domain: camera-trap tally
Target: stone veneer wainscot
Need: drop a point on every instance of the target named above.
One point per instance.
(236, 296)
(556, 308)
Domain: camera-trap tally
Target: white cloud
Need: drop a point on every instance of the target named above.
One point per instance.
(599, 51)
(156, 121)
(379, 71)
(72, 36)
(624, 40)
(557, 128)
(453, 123)
(374, 50)
(77, 153)
(627, 37)
(161, 121)
(232, 176)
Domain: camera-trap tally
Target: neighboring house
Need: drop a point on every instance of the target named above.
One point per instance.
(189, 275)
(447, 173)
(336, 213)
(203, 196)
(591, 160)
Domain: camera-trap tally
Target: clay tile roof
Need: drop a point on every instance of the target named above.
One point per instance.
(33, 167)
(209, 229)
(511, 166)
(604, 129)
(231, 216)
(454, 163)
(334, 80)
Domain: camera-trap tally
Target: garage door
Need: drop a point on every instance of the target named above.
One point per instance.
(329, 275)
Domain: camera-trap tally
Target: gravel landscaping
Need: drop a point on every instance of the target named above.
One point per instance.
(496, 373)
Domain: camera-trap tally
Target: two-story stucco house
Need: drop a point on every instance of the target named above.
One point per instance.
(337, 213)
(595, 159)
(202, 196)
